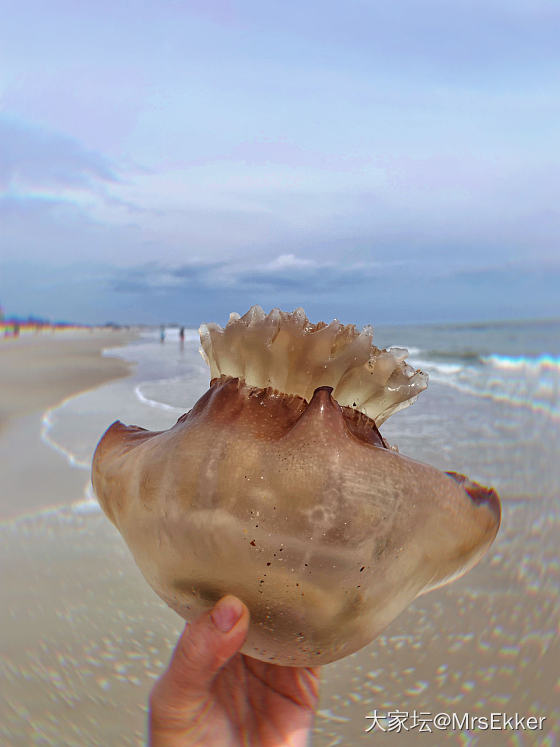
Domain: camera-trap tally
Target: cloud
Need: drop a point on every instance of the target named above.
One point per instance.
(45, 227)
(289, 262)
(34, 157)
(200, 290)
(285, 272)
(356, 291)
(290, 272)
(154, 278)
(511, 277)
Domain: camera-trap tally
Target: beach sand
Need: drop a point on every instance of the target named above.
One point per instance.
(44, 643)
(84, 637)
(38, 372)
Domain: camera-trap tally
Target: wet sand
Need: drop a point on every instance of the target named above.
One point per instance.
(83, 636)
(38, 372)
(68, 587)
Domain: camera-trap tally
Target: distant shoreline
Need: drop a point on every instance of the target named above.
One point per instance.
(40, 370)
(37, 373)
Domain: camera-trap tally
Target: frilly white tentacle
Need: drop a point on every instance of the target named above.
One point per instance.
(287, 352)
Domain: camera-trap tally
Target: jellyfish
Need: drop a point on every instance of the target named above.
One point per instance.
(278, 487)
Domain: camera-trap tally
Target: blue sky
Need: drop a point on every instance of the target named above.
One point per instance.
(371, 161)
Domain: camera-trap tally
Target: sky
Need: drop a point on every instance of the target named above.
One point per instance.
(369, 161)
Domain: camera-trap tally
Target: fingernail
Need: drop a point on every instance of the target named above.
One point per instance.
(226, 613)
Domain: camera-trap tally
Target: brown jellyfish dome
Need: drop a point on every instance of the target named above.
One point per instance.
(278, 487)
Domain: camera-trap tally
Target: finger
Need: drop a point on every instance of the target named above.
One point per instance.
(298, 684)
(203, 649)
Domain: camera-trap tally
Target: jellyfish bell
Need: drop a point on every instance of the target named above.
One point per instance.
(279, 488)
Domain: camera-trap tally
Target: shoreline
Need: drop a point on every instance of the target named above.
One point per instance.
(67, 364)
(36, 375)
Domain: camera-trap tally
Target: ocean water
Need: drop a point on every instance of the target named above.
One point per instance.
(491, 411)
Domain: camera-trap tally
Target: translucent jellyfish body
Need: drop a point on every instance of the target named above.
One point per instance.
(278, 487)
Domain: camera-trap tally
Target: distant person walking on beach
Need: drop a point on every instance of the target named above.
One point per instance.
(182, 334)
(162, 333)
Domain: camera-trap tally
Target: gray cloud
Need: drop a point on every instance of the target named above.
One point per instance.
(285, 273)
(199, 291)
(362, 291)
(515, 279)
(289, 272)
(152, 277)
(43, 158)
(54, 229)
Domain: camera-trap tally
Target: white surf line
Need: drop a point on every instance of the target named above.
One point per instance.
(13, 521)
(86, 505)
(443, 374)
(117, 352)
(47, 424)
(88, 502)
(46, 420)
(155, 403)
(551, 411)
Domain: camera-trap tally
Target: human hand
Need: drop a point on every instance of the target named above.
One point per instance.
(214, 696)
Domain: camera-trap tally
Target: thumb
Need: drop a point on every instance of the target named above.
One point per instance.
(202, 650)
